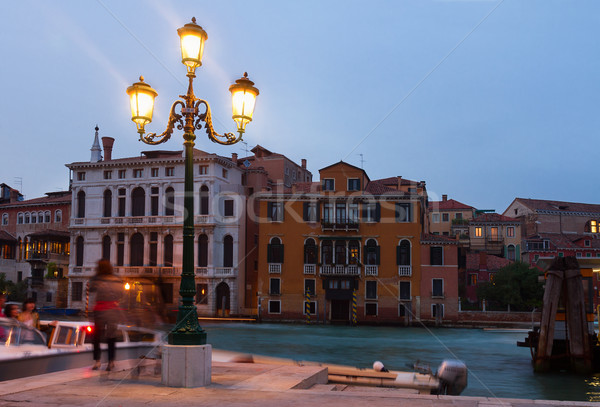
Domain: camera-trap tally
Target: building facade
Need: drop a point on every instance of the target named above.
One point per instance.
(34, 245)
(342, 250)
(130, 211)
(449, 217)
(497, 235)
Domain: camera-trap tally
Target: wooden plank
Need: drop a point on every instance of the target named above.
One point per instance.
(579, 347)
(552, 292)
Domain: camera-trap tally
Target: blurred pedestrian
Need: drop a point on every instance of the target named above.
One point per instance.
(108, 290)
(11, 311)
(29, 317)
(2, 302)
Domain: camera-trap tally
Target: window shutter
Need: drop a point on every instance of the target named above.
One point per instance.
(281, 253)
(269, 210)
(378, 252)
(269, 250)
(364, 212)
(377, 212)
(305, 211)
(398, 255)
(318, 211)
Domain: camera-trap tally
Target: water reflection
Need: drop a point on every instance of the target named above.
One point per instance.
(497, 367)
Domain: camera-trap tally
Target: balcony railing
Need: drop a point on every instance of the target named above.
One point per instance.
(339, 269)
(340, 224)
(274, 268)
(405, 271)
(310, 268)
(144, 271)
(371, 270)
(135, 220)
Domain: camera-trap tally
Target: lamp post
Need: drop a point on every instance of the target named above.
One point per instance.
(194, 114)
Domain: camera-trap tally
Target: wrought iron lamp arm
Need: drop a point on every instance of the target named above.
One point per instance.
(174, 118)
(206, 117)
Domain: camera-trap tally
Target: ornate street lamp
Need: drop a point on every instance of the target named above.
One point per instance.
(194, 113)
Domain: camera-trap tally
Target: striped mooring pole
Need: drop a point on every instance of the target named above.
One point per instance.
(307, 306)
(354, 306)
(87, 297)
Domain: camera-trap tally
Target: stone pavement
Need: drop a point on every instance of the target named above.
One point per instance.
(233, 384)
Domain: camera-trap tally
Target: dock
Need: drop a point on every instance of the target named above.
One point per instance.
(233, 384)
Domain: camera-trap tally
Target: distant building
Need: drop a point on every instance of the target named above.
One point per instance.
(481, 268)
(449, 217)
(497, 235)
(439, 278)
(34, 244)
(130, 211)
(345, 240)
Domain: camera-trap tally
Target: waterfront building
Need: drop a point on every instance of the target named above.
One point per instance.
(344, 248)
(497, 235)
(449, 217)
(480, 268)
(130, 211)
(34, 243)
(439, 278)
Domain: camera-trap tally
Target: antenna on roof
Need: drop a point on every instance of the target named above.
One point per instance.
(245, 148)
(362, 161)
(19, 182)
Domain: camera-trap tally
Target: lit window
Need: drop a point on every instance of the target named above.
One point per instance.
(478, 231)
(594, 226)
(472, 279)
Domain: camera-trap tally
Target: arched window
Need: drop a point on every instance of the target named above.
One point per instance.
(107, 212)
(106, 247)
(20, 218)
(511, 252)
(353, 252)
(310, 252)
(327, 252)
(27, 218)
(58, 216)
(168, 251)
(4, 219)
(138, 202)
(34, 217)
(203, 251)
(79, 251)
(275, 251)
(228, 251)
(40, 217)
(169, 202)
(592, 226)
(47, 217)
(403, 253)
(136, 252)
(81, 204)
(372, 252)
(204, 200)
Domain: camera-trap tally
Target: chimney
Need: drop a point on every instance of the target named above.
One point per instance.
(444, 198)
(304, 163)
(483, 261)
(107, 145)
(234, 158)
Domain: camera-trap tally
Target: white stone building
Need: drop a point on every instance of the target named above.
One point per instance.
(130, 211)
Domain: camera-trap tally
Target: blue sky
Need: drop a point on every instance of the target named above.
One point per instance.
(484, 100)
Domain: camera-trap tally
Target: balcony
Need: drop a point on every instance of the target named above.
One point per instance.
(224, 271)
(371, 270)
(405, 271)
(340, 225)
(274, 268)
(129, 220)
(215, 271)
(144, 271)
(339, 270)
(310, 269)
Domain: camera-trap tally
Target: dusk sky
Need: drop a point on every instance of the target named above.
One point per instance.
(484, 100)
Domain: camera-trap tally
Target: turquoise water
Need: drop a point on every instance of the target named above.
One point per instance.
(497, 367)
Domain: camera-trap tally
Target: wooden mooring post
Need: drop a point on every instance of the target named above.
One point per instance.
(564, 280)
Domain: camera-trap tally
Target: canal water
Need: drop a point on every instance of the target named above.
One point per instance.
(497, 367)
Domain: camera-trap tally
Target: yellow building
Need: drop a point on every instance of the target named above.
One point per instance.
(346, 248)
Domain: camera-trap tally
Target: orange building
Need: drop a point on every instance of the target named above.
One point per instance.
(344, 249)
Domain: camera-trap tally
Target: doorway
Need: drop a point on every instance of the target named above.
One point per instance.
(340, 310)
(223, 300)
